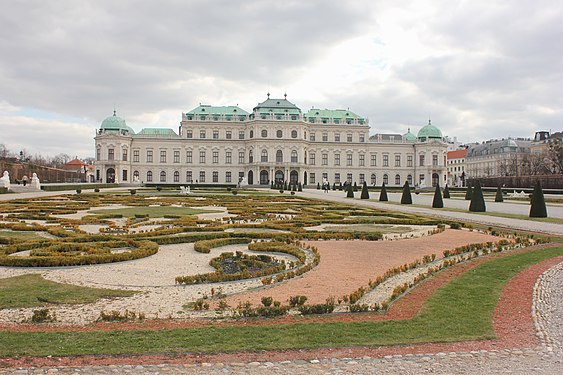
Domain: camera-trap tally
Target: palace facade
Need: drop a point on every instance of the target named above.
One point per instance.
(274, 142)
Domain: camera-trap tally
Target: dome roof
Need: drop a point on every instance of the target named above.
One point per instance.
(429, 132)
(115, 123)
(409, 137)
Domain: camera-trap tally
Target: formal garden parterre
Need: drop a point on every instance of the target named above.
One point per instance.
(262, 255)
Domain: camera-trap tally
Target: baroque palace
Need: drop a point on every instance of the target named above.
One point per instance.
(275, 142)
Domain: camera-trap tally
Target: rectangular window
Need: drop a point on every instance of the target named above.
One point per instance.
(362, 138)
(229, 134)
(228, 177)
(362, 160)
(215, 134)
(176, 156)
(176, 176)
(189, 176)
(409, 160)
(111, 154)
(202, 157)
(349, 160)
(325, 159)
(240, 176)
(312, 137)
(325, 176)
(373, 160)
(362, 178)
(149, 156)
(136, 156)
(189, 157)
(124, 155)
(325, 137)
(349, 178)
(202, 134)
(336, 137)
(215, 176)
(163, 156)
(312, 178)
(98, 154)
(202, 176)
(311, 158)
(337, 178)
(421, 160)
(434, 160)
(336, 159)
(241, 157)
(421, 179)
(215, 157)
(228, 157)
(385, 160)
(241, 135)
(348, 137)
(189, 134)
(124, 175)
(397, 160)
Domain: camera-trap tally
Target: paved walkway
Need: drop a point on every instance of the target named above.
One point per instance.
(528, 225)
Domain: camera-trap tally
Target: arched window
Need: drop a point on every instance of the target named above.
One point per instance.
(279, 134)
(264, 133)
(149, 176)
(279, 156)
(409, 179)
(136, 176)
(397, 179)
(294, 158)
(250, 157)
(385, 179)
(252, 134)
(294, 134)
(264, 156)
(176, 176)
(162, 176)
(373, 179)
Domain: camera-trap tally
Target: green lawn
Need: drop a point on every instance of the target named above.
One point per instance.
(21, 235)
(34, 291)
(461, 310)
(153, 212)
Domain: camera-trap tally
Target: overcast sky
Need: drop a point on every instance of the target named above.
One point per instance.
(480, 69)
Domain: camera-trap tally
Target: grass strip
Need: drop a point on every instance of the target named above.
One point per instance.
(34, 291)
(152, 212)
(461, 310)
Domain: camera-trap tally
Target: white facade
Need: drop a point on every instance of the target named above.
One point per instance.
(276, 142)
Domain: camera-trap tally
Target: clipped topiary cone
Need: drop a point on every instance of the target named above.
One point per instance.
(447, 192)
(498, 196)
(477, 201)
(349, 191)
(437, 202)
(406, 198)
(383, 194)
(365, 192)
(468, 193)
(538, 208)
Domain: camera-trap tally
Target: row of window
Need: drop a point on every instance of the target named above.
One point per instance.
(362, 177)
(279, 134)
(279, 158)
(228, 177)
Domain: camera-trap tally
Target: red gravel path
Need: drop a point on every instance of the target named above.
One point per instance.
(347, 265)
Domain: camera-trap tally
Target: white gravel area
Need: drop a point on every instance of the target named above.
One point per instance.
(152, 276)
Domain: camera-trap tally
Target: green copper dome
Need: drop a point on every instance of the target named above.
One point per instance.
(429, 132)
(115, 123)
(409, 137)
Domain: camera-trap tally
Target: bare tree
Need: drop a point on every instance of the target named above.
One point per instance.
(556, 155)
(4, 152)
